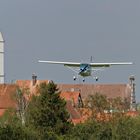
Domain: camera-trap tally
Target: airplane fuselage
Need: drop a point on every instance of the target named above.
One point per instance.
(85, 70)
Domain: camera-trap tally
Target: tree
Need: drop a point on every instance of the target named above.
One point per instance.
(120, 105)
(21, 102)
(90, 130)
(11, 128)
(97, 104)
(124, 128)
(47, 112)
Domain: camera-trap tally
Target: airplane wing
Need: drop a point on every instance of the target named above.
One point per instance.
(76, 64)
(70, 64)
(109, 64)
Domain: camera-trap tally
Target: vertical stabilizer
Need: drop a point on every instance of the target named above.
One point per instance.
(1, 38)
(1, 59)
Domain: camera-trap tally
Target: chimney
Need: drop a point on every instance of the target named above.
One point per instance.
(34, 79)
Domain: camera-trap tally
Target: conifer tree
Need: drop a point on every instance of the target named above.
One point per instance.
(47, 111)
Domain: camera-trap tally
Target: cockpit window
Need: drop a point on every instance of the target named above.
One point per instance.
(84, 66)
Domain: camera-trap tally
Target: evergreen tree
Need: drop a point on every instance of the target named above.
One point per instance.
(47, 111)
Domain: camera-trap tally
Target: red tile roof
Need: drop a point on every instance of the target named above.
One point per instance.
(133, 113)
(7, 97)
(72, 105)
(70, 96)
(28, 84)
(110, 90)
(72, 110)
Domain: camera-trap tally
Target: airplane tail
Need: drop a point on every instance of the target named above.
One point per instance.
(91, 59)
(1, 38)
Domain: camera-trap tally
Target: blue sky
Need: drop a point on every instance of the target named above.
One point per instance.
(70, 31)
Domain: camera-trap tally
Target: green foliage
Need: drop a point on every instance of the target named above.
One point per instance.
(16, 132)
(8, 116)
(47, 112)
(97, 104)
(118, 104)
(11, 128)
(118, 127)
(46, 118)
(124, 128)
(91, 130)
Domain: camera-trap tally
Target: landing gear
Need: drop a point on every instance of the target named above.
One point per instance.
(96, 78)
(83, 80)
(74, 78)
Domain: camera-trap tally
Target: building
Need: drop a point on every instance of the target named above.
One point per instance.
(109, 90)
(74, 94)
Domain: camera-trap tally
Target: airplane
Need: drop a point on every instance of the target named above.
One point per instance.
(85, 69)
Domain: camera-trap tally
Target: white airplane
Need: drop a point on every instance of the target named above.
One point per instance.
(85, 69)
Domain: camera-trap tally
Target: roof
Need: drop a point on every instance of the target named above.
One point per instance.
(110, 90)
(28, 84)
(7, 93)
(72, 110)
(71, 105)
(132, 113)
(70, 96)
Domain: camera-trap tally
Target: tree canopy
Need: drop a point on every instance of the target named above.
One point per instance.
(47, 111)
(46, 118)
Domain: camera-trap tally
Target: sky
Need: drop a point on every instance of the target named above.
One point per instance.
(71, 30)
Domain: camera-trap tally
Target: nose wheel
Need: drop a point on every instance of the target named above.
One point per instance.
(96, 78)
(74, 78)
(83, 80)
